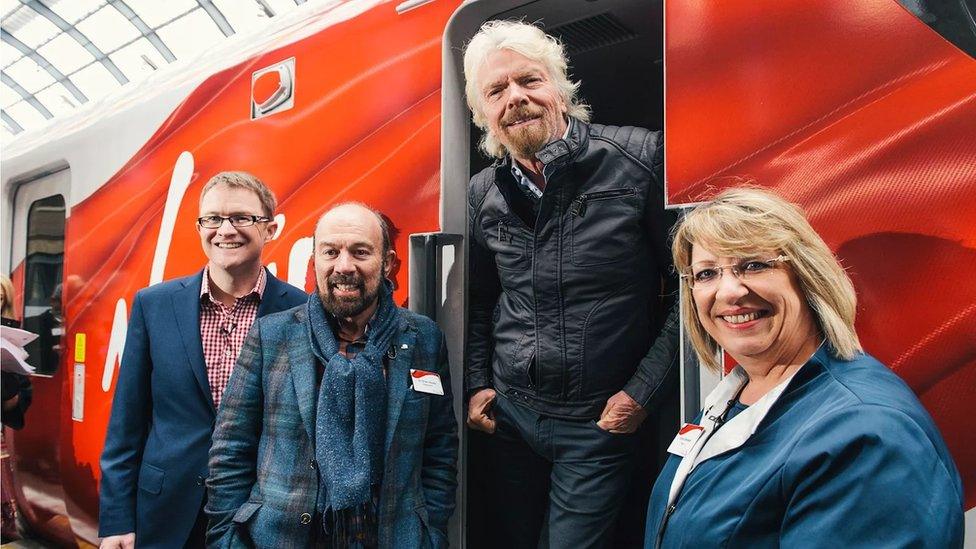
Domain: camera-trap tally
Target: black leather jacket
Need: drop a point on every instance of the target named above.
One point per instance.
(565, 297)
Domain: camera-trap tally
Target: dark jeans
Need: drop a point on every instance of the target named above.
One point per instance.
(555, 483)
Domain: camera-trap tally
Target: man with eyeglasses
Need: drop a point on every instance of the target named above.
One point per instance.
(183, 339)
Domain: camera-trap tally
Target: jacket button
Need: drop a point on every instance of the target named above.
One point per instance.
(201, 481)
(306, 518)
(313, 464)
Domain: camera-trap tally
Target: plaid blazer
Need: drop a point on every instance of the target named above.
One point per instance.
(264, 479)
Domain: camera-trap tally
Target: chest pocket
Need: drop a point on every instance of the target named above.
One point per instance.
(509, 243)
(605, 226)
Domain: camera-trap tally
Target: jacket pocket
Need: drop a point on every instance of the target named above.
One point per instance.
(151, 478)
(605, 226)
(246, 511)
(242, 522)
(509, 246)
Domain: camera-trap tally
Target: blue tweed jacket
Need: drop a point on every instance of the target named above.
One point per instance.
(263, 482)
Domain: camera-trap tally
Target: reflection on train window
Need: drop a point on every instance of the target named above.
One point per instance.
(43, 268)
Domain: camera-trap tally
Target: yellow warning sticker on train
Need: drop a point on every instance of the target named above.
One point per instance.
(79, 347)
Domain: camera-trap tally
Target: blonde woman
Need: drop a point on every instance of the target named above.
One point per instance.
(16, 389)
(808, 442)
(7, 301)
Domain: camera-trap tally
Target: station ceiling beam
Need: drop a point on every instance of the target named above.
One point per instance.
(25, 95)
(71, 31)
(46, 65)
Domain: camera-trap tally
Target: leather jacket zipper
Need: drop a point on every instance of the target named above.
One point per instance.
(579, 205)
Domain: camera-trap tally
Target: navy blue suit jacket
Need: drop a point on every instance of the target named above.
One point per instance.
(155, 458)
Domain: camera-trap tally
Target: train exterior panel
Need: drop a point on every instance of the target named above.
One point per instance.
(871, 131)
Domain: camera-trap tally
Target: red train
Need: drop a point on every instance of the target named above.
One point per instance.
(858, 110)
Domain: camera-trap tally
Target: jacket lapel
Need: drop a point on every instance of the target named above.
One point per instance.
(737, 431)
(274, 291)
(303, 364)
(186, 307)
(398, 379)
(726, 389)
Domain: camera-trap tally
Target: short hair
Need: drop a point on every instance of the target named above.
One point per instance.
(244, 180)
(8, 297)
(742, 221)
(380, 218)
(531, 42)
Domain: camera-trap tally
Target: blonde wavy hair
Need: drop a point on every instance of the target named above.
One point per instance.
(743, 221)
(531, 42)
(8, 297)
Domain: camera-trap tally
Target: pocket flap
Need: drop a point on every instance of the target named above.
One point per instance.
(245, 511)
(151, 478)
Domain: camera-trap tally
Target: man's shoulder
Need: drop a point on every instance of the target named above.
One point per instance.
(480, 184)
(423, 324)
(292, 294)
(168, 287)
(640, 143)
(282, 321)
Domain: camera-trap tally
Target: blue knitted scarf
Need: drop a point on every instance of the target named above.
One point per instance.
(350, 421)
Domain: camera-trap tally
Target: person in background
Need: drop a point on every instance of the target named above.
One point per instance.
(183, 338)
(17, 394)
(338, 429)
(16, 388)
(808, 441)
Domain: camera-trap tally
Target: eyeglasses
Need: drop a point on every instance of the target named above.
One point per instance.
(745, 270)
(215, 221)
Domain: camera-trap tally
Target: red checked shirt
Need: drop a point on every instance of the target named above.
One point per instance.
(223, 329)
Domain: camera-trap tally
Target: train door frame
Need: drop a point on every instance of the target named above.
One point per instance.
(37, 491)
(458, 162)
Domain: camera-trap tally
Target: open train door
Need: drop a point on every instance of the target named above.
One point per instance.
(615, 49)
(37, 236)
(863, 112)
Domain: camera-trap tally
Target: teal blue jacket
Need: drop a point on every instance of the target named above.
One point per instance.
(263, 484)
(846, 456)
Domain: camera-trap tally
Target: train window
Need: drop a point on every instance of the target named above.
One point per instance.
(43, 267)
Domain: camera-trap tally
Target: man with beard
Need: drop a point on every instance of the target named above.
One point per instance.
(182, 340)
(337, 428)
(568, 262)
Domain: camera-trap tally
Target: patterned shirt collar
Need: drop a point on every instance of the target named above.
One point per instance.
(525, 184)
(257, 291)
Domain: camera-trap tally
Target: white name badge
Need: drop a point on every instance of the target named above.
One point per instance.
(685, 439)
(426, 382)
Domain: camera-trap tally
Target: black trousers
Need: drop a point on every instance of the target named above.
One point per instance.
(555, 483)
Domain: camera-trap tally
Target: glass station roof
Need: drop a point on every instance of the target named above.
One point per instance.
(59, 54)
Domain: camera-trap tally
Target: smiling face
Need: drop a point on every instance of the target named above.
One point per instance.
(349, 260)
(520, 102)
(763, 322)
(235, 250)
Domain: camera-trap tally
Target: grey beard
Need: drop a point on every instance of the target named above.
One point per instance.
(526, 144)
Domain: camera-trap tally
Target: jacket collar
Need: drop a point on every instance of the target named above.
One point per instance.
(736, 431)
(561, 150)
(557, 151)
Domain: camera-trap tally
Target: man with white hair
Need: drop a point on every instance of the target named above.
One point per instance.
(568, 262)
